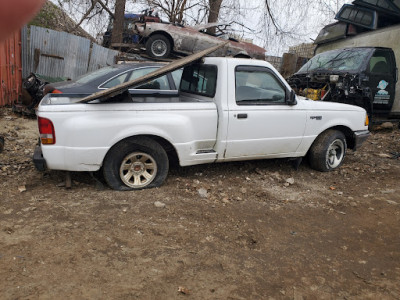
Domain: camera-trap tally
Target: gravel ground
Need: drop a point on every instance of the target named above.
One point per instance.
(247, 230)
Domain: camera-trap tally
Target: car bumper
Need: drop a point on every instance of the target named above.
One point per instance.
(360, 137)
(38, 159)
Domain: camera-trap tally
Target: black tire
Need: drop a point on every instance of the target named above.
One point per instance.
(134, 164)
(328, 151)
(158, 46)
(29, 82)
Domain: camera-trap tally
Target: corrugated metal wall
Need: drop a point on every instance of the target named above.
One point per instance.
(49, 53)
(10, 69)
(60, 54)
(25, 52)
(101, 57)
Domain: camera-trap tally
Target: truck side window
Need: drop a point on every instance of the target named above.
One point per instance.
(199, 79)
(258, 86)
(380, 62)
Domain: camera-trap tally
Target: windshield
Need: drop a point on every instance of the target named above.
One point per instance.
(95, 74)
(337, 60)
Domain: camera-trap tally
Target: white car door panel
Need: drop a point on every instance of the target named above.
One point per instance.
(261, 124)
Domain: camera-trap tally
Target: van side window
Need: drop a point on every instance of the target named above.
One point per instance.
(199, 79)
(258, 86)
(380, 62)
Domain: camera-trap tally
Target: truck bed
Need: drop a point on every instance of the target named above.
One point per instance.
(164, 97)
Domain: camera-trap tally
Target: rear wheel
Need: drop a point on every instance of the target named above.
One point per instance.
(328, 151)
(158, 46)
(135, 163)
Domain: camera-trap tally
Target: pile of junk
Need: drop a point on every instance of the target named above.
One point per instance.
(34, 88)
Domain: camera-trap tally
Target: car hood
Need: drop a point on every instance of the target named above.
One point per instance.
(326, 105)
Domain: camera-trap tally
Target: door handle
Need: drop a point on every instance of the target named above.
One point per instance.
(242, 116)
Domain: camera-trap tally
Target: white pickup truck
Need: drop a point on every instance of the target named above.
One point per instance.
(226, 109)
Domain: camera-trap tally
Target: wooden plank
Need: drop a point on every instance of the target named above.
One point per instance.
(52, 56)
(119, 89)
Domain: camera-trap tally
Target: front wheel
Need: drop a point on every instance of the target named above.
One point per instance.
(158, 46)
(328, 151)
(135, 163)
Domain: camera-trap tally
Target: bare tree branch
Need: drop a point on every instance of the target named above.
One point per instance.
(85, 16)
(106, 8)
(270, 15)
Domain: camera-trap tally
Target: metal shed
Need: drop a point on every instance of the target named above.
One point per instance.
(10, 69)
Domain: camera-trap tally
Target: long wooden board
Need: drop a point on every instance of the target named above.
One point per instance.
(180, 63)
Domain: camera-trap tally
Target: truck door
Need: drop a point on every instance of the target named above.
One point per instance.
(382, 76)
(261, 124)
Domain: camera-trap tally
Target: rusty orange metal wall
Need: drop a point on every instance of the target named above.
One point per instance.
(10, 70)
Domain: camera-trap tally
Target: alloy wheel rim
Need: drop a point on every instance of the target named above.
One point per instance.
(335, 153)
(138, 170)
(159, 48)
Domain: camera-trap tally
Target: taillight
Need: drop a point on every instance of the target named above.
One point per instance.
(46, 130)
(48, 89)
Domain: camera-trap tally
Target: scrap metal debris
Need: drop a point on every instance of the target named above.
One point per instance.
(22, 188)
(395, 155)
(183, 290)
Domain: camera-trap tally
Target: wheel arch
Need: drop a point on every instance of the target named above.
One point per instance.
(167, 145)
(348, 133)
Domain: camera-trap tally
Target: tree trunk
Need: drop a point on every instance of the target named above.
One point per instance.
(215, 6)
(181, 10)
(118, 25)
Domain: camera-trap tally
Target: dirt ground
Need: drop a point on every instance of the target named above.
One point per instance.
(249, 230)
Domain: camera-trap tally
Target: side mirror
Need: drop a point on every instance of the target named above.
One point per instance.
(292, 98)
